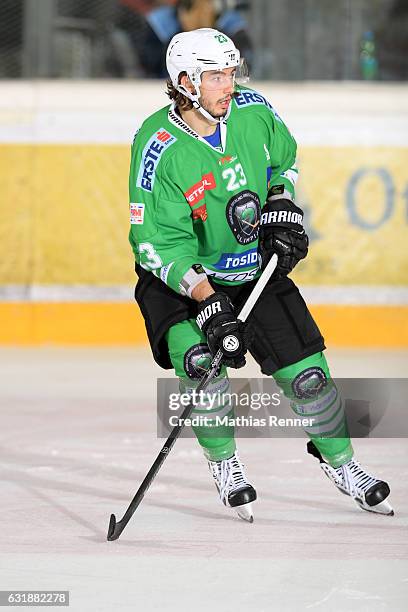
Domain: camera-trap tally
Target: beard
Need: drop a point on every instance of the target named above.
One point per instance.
(212, 107)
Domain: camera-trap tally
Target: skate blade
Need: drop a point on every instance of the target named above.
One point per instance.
(383, 507)
(245, 512)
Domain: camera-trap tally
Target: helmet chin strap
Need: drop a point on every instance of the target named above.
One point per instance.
(196, 104)
(206, 114)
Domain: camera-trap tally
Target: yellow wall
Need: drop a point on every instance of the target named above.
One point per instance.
(64, 211)
(64, 215)
(25, 324)
(358, 197)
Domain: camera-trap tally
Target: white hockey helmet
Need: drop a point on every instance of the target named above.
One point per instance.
(198, 51)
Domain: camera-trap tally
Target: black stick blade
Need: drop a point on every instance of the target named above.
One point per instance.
(113, 533)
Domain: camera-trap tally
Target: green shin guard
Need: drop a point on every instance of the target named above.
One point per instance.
(216, 439)
(190, 357)
(313, 394)
(217, 448)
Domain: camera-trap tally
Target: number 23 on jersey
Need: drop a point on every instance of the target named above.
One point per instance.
(235, 177)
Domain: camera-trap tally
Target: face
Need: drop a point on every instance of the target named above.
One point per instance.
(217, 88)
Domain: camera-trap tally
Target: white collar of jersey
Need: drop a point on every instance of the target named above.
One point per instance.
(176, 120)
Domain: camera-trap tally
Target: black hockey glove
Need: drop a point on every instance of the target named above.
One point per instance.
(217, 320)
(281, 232)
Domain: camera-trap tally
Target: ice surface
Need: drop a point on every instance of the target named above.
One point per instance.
(78, 433)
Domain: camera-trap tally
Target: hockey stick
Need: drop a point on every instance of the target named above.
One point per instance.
(116, 527)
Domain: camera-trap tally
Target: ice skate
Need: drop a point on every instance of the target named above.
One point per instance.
(233, 487)
(368, 492)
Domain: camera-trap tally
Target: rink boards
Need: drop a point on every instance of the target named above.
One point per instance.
(66, 270)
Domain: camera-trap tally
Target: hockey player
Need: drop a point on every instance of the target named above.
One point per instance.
(212, 192)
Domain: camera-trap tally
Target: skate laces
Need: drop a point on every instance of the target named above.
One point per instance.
(354, 479)
(229, 475)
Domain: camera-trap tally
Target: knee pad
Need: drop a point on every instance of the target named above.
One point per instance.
(309, 383)
(197, 360)
(313, 394)
(195, 363)
(304, 379)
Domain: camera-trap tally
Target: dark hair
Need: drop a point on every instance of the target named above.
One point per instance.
(181, 101)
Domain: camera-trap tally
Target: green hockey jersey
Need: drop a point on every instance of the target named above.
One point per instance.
(191, 203)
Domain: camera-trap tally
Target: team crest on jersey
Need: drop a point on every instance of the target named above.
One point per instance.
(197, 361)
(243, 215)
(151, 155)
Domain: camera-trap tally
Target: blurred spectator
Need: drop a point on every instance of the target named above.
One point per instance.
(11, 37)
(392, 43)
(151, 24)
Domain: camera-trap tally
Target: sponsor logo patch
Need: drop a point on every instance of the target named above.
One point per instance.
(237, 261)
(247, 98)
(243, 215)
(164, 272)
(136, 213)
(196, 192)
(227, 159)
(151, 155)
(200, 213)
(233, 277)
